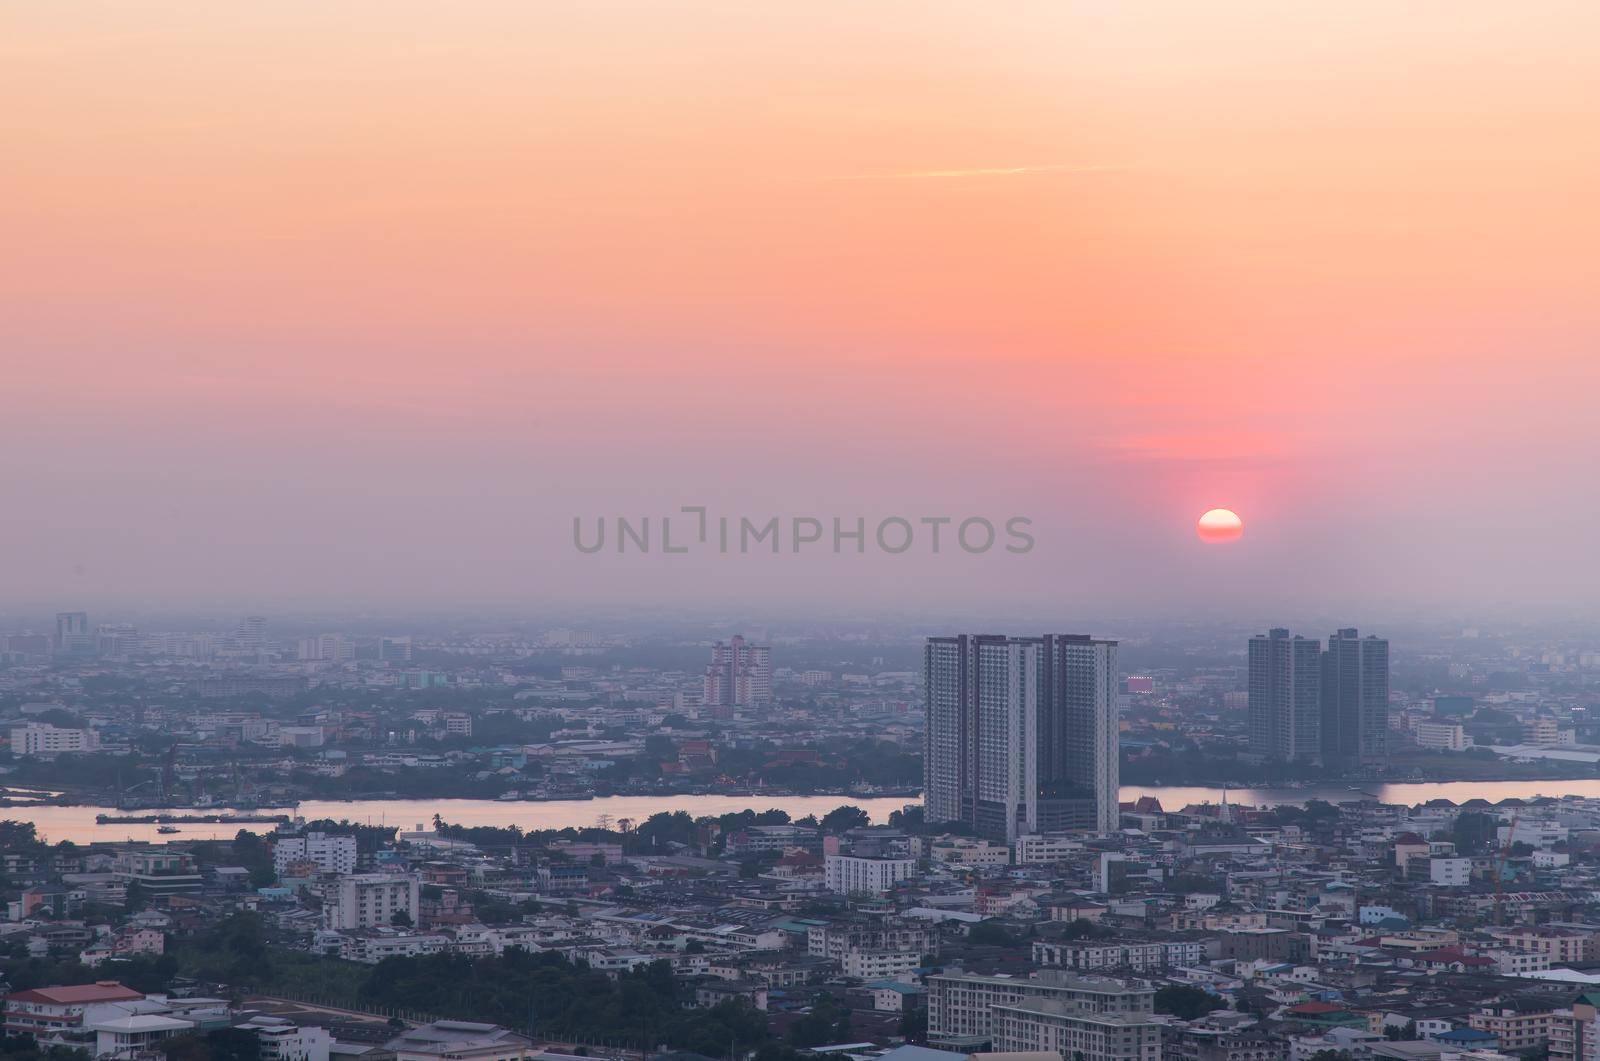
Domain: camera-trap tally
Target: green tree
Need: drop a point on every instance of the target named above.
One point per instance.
(828, 1021)
(991, 934)
(910, 818)
(1083, 928)
(134, 897)
(914, 1024)
(1472, 832)
(842, 819)
(1186, 1002)
(221, 1044)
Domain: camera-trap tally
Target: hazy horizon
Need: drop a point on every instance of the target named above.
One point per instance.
(359, 307)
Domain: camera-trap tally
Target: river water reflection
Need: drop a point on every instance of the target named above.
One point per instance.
(78, 823)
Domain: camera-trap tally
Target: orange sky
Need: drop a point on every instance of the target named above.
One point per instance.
(274, 273)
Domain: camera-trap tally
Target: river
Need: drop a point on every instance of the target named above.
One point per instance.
(78, 823)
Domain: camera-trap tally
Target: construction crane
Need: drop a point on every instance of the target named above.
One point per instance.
(1500, 868)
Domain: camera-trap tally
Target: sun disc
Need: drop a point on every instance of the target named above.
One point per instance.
(1219, 525)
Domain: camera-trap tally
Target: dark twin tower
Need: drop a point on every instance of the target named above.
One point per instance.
(1310, 704)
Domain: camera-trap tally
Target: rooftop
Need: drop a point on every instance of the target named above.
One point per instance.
(78, 994)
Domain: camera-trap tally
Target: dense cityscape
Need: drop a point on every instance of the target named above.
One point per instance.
(799, 530)
(278, 841)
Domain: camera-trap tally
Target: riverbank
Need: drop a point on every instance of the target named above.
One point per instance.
(1406, 772)
(78, 823)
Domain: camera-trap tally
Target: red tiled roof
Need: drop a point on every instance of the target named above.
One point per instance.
(1309, 1008)
(104, 991)
(800, 858)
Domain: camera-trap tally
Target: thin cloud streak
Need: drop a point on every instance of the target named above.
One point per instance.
(944, 174)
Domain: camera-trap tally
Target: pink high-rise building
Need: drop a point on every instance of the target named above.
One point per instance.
(739, 675)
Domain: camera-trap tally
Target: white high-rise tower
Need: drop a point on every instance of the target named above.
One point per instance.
(1022, 733)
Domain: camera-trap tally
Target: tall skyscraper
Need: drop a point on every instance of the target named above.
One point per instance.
(251, 633)
(330, 647)
(394, 649)
(72, 634)
(1022, 733)
(1355, 699)
(1285, 697)
(739, 675)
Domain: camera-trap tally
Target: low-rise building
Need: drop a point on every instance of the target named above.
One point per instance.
(328, 852)
(40, 740)
(283, 1040)
(1134, 955)
(45, 1010)
(960, 1003)
(1074, 1031)
(371, 900)
(128, 1036)
(857, 874)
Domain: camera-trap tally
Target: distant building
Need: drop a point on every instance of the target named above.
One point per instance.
(561, 878)
(251, 633)
(40, 740)
(966, 851)
(739, 675)
(1044, 848)
(283, 1040)
(961, 1005)
(1049, 1026)
(1542, 732)
(762, 839)
(849, 874)
(126, 1036)
(159, 872)
(460, 1040)
(329, 852)
(835, 940)
(72, 634)
(1133, 955)
(370, 900)
(1285, 696)
(300, 736)
(241, 686)
(1195, 1042)
(329, 647)
(1450, 872)
(1355, 699)
(47, 1010)
(1022, 733)
(1442, 736)
(395, 649)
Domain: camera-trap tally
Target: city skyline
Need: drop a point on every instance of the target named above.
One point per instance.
(541, 531)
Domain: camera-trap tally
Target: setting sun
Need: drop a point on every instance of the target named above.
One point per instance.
(1219, 525)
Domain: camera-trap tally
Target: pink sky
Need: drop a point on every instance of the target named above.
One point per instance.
(364, 302)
